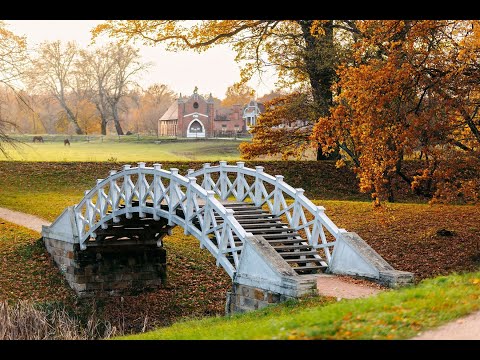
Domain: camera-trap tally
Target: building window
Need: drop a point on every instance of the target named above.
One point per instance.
(195, 105)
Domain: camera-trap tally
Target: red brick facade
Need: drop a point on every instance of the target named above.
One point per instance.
(196, 117)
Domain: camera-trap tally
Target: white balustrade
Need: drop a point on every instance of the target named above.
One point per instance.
(182, 201)
(282, 200)
(169, 195)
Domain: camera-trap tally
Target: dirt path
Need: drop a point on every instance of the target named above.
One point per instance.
(467, 328)
(344, 287)
(29, 221)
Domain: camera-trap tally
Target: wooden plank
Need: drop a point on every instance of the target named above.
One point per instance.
(294, 247)
(308, 268)
(252, 216)
(285, 241)
(304, 261)
(245, 208)
(270, 230)
(298, 253)
(120, 242)
(267, 225)
(278, 236)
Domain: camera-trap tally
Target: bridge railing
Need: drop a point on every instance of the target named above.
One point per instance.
(254, 185)
(167, 194)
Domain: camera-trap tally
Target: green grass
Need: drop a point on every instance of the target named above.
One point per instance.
(125, 151)
(396, 314)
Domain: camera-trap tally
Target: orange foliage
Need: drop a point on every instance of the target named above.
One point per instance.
(284, 128)
(411, 89)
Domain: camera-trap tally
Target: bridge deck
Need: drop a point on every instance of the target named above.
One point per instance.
(287, 242)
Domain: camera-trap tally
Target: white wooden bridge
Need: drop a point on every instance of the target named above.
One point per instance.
(224, 207)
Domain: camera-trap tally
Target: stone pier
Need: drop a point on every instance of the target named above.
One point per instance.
(109, 269)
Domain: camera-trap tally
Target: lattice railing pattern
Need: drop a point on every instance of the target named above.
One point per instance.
(246, 184)
(167, 194)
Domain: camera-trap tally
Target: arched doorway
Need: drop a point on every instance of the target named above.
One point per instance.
(195, 129)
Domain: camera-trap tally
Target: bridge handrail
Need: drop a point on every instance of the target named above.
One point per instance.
(98, 207)
(275, 199)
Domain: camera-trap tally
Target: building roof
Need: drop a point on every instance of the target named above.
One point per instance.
(171, 113)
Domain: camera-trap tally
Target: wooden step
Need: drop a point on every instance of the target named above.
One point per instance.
(294, 247)
(277, 236)
(298, 253)
(260, 222)
(262, 225)
(309, 268)
(237, 204)
(252, 216)
(250, 212)
(246, 208)
(303, 261)
(284, 241)
(270, 231)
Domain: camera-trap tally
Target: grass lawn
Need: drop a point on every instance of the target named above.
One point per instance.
(201, 150)
(396, 314)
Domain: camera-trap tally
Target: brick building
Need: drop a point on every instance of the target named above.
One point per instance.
(195, 117)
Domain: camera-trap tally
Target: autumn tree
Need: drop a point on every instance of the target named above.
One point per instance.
(126, 65)
(94, 68)
(154, 101)
(304, 52)
(284, 127)
(12, 62)
(53, 72)
(412, 90)
(270, 96)
(238, 94)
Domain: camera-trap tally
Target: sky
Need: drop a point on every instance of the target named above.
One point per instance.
(212, 71)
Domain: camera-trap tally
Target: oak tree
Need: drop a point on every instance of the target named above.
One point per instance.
(411, 90)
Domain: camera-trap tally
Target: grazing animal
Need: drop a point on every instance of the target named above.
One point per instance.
(66, 142)
(38, 138)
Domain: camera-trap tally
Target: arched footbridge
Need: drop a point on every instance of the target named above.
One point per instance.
(264, 233)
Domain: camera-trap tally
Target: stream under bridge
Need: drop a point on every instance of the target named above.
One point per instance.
(268, 236)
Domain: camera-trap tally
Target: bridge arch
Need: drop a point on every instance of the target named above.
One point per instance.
(163, 194)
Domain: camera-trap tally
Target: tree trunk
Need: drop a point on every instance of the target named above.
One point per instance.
(116, 120)
(73, 120)
(103, 125)
(319, 64)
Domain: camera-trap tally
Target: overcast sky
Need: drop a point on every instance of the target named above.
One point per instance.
(212, 71)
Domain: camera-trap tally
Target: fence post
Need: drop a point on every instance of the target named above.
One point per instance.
(258, 189)
(172, 208)
(240, 181)
(128, 192)
(189, 205)
(277, 194)
(113, 195)
(206, 183)
(296, 208)
(223, 180)
(101, 202)
(156, 189)
(141, 189)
